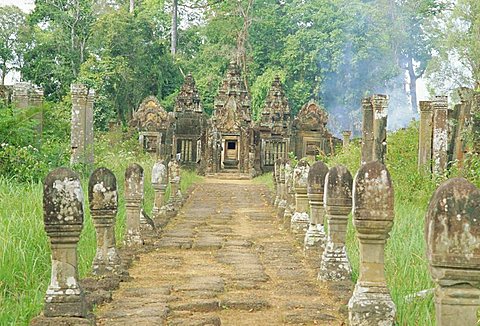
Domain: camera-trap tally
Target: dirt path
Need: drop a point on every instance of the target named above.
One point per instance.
(225, 259)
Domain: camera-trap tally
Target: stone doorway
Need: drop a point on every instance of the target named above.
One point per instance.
(230, 160)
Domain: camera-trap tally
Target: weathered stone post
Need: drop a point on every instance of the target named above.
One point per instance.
(440, 134)
(63, 216)
(276, 178)
(82, 124)
(289, 192)
(315, 237)
(367, 131)
(133, 203)
(103, 198)
(159, 183)
(380, 105)
(373, 214)
(346, 137)
(282, 204)
(453, 249)
(174, 179)
(300, 221)
(425, 137)
(338, 204)
(275, 185)
(475, 112)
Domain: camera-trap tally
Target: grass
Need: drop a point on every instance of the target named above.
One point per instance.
(24, 250)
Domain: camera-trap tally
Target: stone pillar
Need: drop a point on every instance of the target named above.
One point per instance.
(290, 193)
(282, 204)
(300, 220)
(314, 241)
(373, 214)
(133, 203)
(159, 183)
(21, 95)
(453, 242)
(103, 199)
(275, 186)
(380, 105)
(82, 124)
(440, 134)
(338, 204)
(475, 113)
(36, 101)
(63, 217)
(174, 178)
(346, 137)
(367, 131)
(425, 137)
(278, 186)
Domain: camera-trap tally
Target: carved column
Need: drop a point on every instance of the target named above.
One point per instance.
(367, 131)
(282, 204)
(159, 183)
(425, 137)
(373, 214)
(453, 250)
(338, 204)
(133, 202)
(380, 105)
(300, 220)
(103, 198)
(346, 137)
(315, 237)
(440, 134)
(63, 217)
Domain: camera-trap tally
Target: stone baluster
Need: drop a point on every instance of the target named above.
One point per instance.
(174, 178)
(367, 131)
(159, 183)
(275, 185)
(282, 204)
(373, 214)
(290, 193)
(346, 137)
(315, 237)
(103, 199)
(63, 217)
(300, 220)
(453, 249)
(380, 105)
(338, 204)
(425, 137)
(133, 203)
(278, 186)
(440, 135)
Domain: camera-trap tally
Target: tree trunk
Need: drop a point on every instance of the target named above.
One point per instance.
(132, 6)
(413, 85)
(174, 27)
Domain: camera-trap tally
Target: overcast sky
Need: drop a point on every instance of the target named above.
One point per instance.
(26, 5)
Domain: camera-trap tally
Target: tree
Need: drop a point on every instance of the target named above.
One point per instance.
(12, 21)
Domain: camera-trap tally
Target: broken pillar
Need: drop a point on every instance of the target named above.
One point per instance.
(314, 241)
(300, 220)
(453, 249)
(425, 137)
(380, 105)
(103, 199)
(367, 131)
(440, 135)
(335, 265)
(373, 212)
(82, 124)
(133, 202)
(63, 217)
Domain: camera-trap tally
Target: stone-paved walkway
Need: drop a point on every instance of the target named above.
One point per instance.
(225, 259)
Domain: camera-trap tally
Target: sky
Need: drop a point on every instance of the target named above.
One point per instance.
(25, 5)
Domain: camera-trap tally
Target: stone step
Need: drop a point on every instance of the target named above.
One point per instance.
(229, 176)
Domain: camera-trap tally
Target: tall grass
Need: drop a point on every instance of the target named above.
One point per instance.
(24, 250)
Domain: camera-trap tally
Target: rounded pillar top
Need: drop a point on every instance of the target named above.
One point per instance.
(102, 190)
(316, 177)
(373, 197)
(300, 174)
(338, 187)
(62, 198)
(159, 173)
(134, 182)
(452, 226)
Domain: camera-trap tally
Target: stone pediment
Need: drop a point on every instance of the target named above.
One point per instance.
(188, 100)
(311, 117)
(276, 112)
(151, 116)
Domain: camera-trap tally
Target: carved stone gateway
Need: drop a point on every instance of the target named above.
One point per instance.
(453, 249)
(233, 123)
(133, 202)
(338, 204)
(310, 136)
(315, 237)
(373, 214)
(103, 199)
(300, 220)
(154, 125)
(63, 217)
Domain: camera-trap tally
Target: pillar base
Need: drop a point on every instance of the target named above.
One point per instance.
(371, 305)
(133, 238)
(63, 304)
(106, 265)
(299, 225)
(335, 265)
(314, 237)
(282, 205)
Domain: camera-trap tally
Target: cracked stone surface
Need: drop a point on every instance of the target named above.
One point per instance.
(225, 259)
